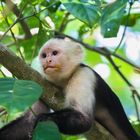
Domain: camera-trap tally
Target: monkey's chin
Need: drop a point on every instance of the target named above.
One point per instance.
(50, 70)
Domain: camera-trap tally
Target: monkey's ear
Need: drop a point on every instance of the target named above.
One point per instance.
(68, 39)
(79, 51)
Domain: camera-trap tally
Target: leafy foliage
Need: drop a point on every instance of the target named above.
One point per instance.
(18, 95)
(83, 10)
(92, 14)
(110, 21)
(46, 131)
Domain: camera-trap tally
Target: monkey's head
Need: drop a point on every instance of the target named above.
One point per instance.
(59, 58)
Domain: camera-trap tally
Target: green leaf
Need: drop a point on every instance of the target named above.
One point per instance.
(18, 95)
(46, 131)
(87, 11)
(136, 126)
(111, 18)
(35, 2)
(131, 21)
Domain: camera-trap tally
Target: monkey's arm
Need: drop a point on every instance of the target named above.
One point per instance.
(110, 113)
(69, 121)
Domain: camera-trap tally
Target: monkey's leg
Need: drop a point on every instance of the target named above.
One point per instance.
(69, 121)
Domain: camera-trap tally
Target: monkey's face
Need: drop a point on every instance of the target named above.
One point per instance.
(59, 58)
(52, 59)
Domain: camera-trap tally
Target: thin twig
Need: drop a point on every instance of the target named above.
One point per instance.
(127, 20)
(136, 106)
(16, 42)
(38, 12)
(2, 73)
(134, 92)
(3, 113)
(64, 23)
(20, 19)
(19, 14)
(15, 22)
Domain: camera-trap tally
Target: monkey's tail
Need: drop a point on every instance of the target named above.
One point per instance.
(111, 115)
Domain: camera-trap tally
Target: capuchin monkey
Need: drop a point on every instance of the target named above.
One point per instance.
(87, 96)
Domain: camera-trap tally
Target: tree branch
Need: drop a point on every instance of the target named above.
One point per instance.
(19, 14)
(132, 88)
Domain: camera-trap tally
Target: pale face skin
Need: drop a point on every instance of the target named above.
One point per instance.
(59, 58)
(51, 59)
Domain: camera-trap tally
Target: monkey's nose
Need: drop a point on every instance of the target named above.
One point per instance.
(49, 61)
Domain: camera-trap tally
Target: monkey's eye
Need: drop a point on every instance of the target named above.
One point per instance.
(54, 52)
(43, 55)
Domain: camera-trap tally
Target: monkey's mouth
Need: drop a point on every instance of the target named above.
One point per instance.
(48, 69)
